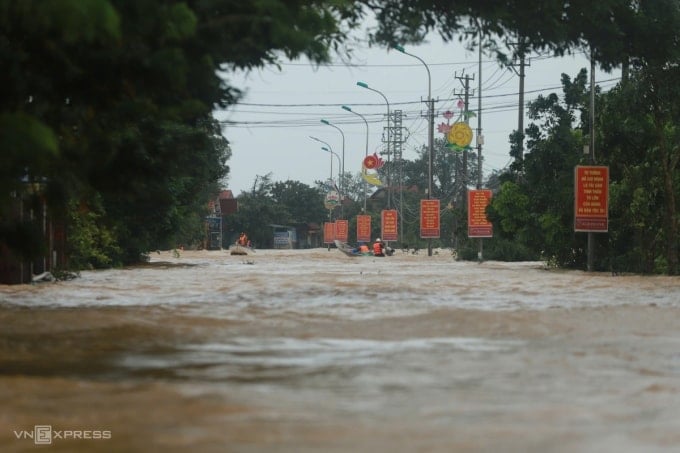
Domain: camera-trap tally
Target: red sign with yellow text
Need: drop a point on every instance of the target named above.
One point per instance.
(341, 230)
(389, 225)
(328, 232)
(363, 228)
(478, 225)
(591, 198)
(429, 219)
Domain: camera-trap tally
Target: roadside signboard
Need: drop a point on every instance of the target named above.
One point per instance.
(478, 225)
(331, 200)
(389, 225)
(328, 232)
(342, 230)
(429, 219)
(591, 198)
(363, 228)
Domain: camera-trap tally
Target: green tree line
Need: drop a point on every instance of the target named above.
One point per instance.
(106, 104)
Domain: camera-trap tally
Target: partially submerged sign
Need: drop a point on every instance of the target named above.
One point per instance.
(591, 198)
(429, 219)
(478, 224)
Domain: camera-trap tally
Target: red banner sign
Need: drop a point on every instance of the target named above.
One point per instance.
(342, 230)
(328, 232)
(389, 225)
(591, 198)
(478, 225)
(429, 219)
(363, 228)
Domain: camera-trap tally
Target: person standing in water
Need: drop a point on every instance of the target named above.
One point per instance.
(378, 248)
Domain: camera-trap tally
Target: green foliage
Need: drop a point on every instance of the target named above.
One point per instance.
(110, 102)
(269, 203)
(92, 243)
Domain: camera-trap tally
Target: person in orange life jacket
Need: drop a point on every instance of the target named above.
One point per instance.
(378, 248)
(363, 249)
(243, 239)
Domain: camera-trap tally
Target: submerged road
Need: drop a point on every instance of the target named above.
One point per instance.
(310, 350)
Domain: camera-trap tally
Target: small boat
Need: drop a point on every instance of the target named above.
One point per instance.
(238, 249)
(349, 250)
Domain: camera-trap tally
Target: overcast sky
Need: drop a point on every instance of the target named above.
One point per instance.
(269, 130)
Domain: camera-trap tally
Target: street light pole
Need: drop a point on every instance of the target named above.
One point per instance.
(430, 135)
(341, 182)
(333, 154)
(389, 189)
(329, 149)
(344, 107)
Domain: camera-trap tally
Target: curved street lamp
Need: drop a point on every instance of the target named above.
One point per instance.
(389, 189)
(329, 149)
(342, 184)
(344, 107)
(430, 137)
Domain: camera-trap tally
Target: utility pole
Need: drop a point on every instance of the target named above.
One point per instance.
(591, 235)
(480, 138)
(465, 81)
(520, 116)
(397, 141)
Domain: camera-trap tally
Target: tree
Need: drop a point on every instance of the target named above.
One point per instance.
(304, 204)
(269, 203)
(640, 144)
(110, 102)
(536, 212)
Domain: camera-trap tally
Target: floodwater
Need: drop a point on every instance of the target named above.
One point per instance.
(313, 351)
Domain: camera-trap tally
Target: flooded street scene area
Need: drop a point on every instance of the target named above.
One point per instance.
(310, 350)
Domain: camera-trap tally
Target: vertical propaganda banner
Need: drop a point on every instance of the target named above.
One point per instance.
(591, 198)
(328, 232)
(429, 219)
(341, 230)
(388, 229)
(478, 225)
(363, 228)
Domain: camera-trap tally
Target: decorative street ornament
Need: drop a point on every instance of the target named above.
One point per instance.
(460, 135)
(332, 199)
(371, 162)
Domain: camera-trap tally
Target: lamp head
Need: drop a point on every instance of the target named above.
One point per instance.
(325, 149)
(344, 107)
(362, 84)
(399, 48)
(325, 122)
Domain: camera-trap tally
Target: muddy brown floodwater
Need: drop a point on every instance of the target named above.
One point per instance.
(313, 351)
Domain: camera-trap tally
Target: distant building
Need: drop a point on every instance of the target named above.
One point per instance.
(224, 205)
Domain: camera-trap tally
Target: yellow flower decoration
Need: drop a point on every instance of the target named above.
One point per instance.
(460, 134)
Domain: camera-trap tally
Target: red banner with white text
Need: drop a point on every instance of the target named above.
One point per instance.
(363, 228)
(389, 225)
(429, 219)
(478, 225)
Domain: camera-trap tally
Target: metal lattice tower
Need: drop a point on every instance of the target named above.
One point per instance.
(397, 138)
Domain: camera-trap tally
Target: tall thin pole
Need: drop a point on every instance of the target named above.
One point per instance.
(364, 85)
(591, 235)
(430, 135)
(330, 150)
(342, 165)
(345, 107)
(480, 252)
